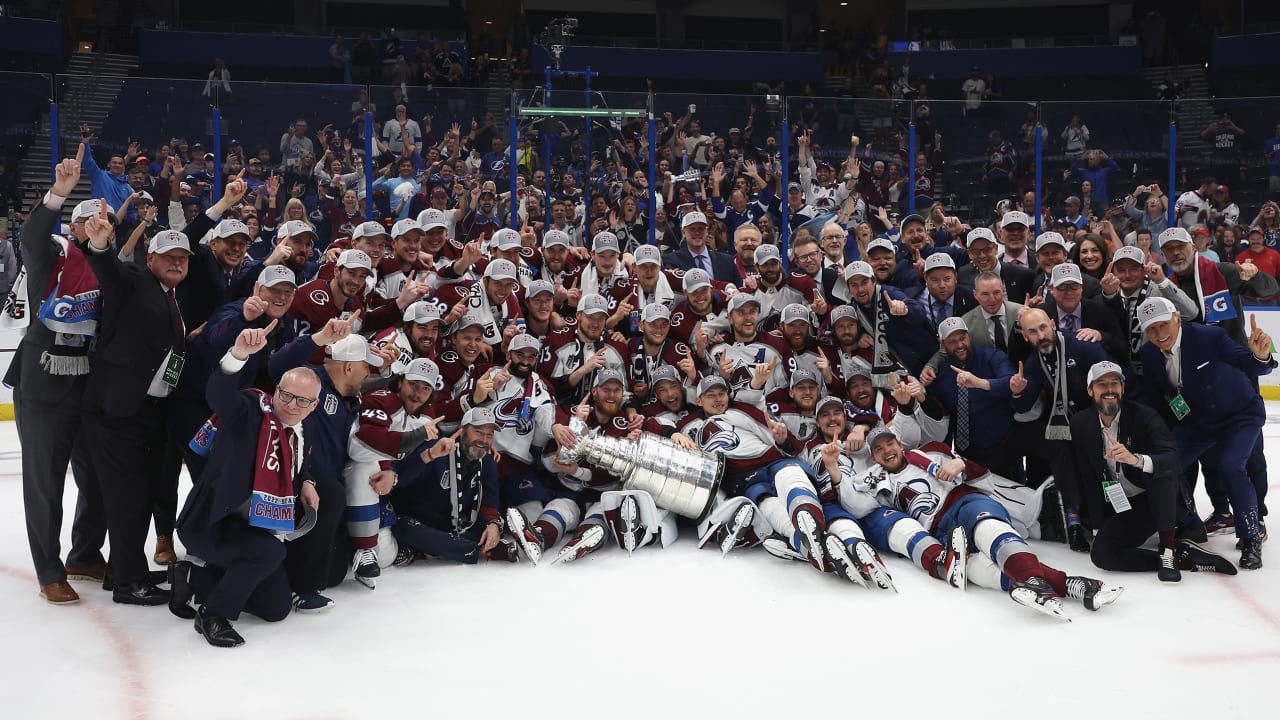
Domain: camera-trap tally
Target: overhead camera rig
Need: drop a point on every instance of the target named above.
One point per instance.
(555, 38)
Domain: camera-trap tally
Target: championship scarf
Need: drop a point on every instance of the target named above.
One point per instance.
(1211, 289)
(662, 293)
(272, 503)
(70, 309)
(1131, 305)
(480, 301)
(883, 363)
(1059, 425)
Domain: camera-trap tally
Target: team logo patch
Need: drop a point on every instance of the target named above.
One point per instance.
(330, 404)
(712, 438)
(620, 423)
(509, 414)
(319, 297)
(449, 356)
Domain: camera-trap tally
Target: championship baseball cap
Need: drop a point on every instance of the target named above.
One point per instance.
(478, 416)
(364, 229)
(1154, 310)
(878, 432)
(663, 374)
(404, 226)
(648, 255)
(1132, 253)
(1071, 200)
(592, 303)
(1255, 229)
(793, 185)
(938, 260)
(912, 218)
(741, 299)
(949, 326)
(1066, 273)
(88, 208)
(1102, 369)
(300, 227)
(795, 312)
(1046, 239)
(841, 312)
(693, 218)
(856, 268)
(539, 286)
(468, 320)
(423, 369)
(228, 228)
(144, 197)
(803, 375)
(1015, 217)
(696, 279)
(168, 240)
(501, 269)
(505, 239)
(273, 275)
(354, 348)
(654, 312)
(1173, 234)
(431, 218)
(977, 234)
(711, 381)
(735, 131)
(767, 253)
(880, 244)
(355, 259)
(604, 375)
(555, 237)
(604, 241)
(828, 400)
(422, 312)
(524, 341)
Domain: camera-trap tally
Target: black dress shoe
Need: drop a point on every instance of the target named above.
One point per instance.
(180, 591)
(217, 630)
(143, 593)
(1078, 538)
(1251, 554)
(1192, 529)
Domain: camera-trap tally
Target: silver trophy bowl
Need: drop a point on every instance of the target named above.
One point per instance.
(682, 481)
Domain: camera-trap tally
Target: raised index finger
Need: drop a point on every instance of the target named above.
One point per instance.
(1253, 322)
(80, 153)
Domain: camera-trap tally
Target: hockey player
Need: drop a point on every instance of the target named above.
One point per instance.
(796, 410)
(539, 308)
(935, 488)
(846, 343)
(320, 300)
(654, 349)
(746, 349)
(406, 262)
(447, 497)
(389, 425)
(776, 288)
(801, 350)
(417, 337)
(492, 299)
(702, 310)
(572, 356)
(901, 337)
(460, 367)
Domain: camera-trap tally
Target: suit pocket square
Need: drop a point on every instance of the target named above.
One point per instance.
(1202, 365)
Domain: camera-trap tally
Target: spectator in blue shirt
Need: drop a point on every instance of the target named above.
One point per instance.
(112, 183)
(1095, 166)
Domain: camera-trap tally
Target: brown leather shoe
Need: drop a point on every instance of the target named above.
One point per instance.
(87, 573)
(59, 593)
(164, 550)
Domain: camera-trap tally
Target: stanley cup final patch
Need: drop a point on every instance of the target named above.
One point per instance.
(330, 404)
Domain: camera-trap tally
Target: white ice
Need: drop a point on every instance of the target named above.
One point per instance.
(675, 633)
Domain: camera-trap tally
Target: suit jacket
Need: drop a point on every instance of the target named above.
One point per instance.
(1080, 357)
(225, 484)
(1098, 316)
(1138, 428)
(961, 303)
(1092, 288)
(1219, 382)
(990, 414)
(134, 337)
(1017, 279)
(39, 254)
(980, 329)
(723, 265)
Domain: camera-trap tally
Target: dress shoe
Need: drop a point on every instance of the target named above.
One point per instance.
(94, 573)
(217, 630)
(59, 593)
(1192, 532)
(1251, 555)
(164, 550)
(1078, 538)
(155, 577)
(142, 593)
(180, 591)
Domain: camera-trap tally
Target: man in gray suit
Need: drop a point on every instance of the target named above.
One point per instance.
(48, 375)
(992, 324)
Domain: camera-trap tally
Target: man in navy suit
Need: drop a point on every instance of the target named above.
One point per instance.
(974, 384)
(696, 254)
(941, 297)
(1209, 385)
(244, 562)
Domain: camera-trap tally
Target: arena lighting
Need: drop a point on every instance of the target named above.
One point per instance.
(578, 112)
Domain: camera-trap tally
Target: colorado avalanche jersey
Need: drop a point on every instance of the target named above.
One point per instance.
(376, 435)
(916, 489)
(741, 435)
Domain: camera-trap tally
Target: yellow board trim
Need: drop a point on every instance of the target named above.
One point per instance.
(6, 410)
(1270, 392)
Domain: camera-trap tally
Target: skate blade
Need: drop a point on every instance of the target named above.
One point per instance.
(873, 569)
(371, 583)
(516, 524)
(742, 520)
(1107, 595)
(1051, 607)
(841, 563)
(960, 548)
(630, 528)
(589, 542)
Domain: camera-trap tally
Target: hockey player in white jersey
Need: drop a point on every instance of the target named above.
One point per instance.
(390, 425)
(935, 488)
(747, 348)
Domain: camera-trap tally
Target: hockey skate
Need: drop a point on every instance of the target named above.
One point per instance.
(811, 537)
(1194, 558)
(733, 533)
(365, 567)
(588, 539)
(951, 565)
(625, 524)
(1037, 594)
(506, 550)
(777, 546)
(871, 567)
(1092, 592)
(528, 536)
(842, 561)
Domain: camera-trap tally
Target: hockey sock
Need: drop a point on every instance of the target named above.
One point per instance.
(793, 484)
(776, 513)
(362, 525)
(1057, 579)
(560, 516)
(997, 540)
(929, 560)
(1167, 540)
(908, 538)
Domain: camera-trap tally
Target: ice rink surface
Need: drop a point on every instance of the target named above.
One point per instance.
(675, 633)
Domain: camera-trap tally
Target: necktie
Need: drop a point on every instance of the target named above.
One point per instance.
(705, 262)
(997, 325)
(962, 419)
(1069, 325)
(179, 343)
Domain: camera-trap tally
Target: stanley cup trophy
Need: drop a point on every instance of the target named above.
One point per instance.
(682, 481)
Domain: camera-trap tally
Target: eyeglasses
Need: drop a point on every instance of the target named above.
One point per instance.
(809, 256)
(288, 397)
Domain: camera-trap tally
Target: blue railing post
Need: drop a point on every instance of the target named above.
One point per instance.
(217, 154)
(1039, 172)
(55, 134)
(653, 180)
(368, 166)
(512, 131)
(911, 165)
(1172, 189)
(784, 173)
